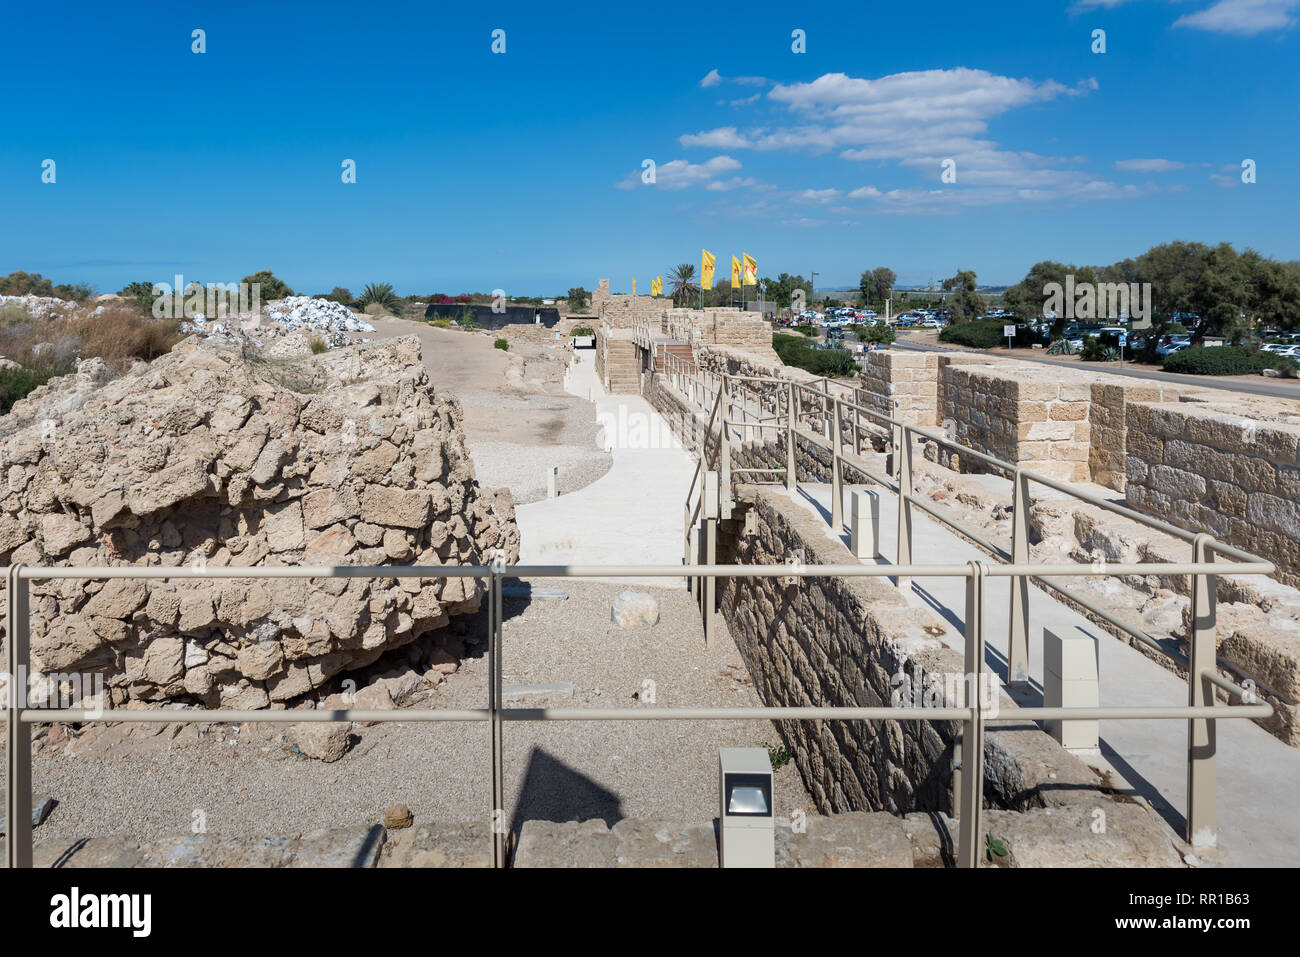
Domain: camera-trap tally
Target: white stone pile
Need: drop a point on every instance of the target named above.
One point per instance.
(38, 307)
(303, 313)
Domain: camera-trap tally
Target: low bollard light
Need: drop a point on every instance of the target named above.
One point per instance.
(747, 827)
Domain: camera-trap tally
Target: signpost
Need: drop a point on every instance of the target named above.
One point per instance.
(1009, 332)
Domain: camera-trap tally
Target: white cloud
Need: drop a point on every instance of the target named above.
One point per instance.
(1149, 165)
(1243, 17)
(679, 174)
(819, 195)
(723, 138)
(713, 78)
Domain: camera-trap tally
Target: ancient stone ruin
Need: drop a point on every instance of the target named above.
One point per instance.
(219, 456)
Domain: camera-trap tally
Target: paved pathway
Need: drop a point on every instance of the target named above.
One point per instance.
(631, 516)
(1257, 774)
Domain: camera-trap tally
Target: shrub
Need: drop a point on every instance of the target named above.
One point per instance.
(271, 287)
(873, 333)
(340, 295)
(13, 315)
(19, 283)
(502, 344)
(466, 319)
(794, 351)
(583, 331)
(381, 294)
(980, 334)
(441, 323)
(17, 383)
(121, 333)
(1060, 347)
(1223, 360)
(317, 345)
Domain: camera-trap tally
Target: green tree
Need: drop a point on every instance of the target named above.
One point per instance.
(20, 283)
(271, 287)
(579, 300)
(876, 285)
(965, 305)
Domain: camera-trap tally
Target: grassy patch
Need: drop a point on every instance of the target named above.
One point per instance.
(17, 383)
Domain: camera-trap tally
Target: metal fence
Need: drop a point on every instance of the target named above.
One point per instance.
(1201, 711)
(795, 403)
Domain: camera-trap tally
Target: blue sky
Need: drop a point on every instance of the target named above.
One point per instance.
(522, 170)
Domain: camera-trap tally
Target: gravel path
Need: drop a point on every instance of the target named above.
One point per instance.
(249, 783)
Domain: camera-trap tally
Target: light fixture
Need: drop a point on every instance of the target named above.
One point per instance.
(747, 827)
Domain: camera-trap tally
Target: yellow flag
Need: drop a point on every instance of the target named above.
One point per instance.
(634, 287)
(659, 286)
(735, 272)
(750, 270)
(706, 269)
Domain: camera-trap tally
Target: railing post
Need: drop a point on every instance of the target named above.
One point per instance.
(711, 511)
(857, 422)
(790, 482)
(1202, 810)
(495, 703)
(972, 737)
(1018, 628)
(837, 465)
(896, 436)
(724, 459)
(18, 767)
(903, 456)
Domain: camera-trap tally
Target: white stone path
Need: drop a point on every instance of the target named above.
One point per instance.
(632, 515)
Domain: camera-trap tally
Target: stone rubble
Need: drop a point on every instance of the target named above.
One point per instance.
(210, 457)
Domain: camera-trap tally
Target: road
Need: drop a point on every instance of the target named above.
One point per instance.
(1278, 389)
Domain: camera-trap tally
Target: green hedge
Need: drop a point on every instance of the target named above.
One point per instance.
(797, 352)
(1225, 360)
(980, 334)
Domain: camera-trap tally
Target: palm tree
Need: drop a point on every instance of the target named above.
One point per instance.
(684, 286)
(381, 294)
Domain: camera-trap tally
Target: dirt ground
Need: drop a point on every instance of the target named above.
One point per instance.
(518, 420)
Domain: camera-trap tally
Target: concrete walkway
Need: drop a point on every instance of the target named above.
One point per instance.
(1257, 774)
(631, 516)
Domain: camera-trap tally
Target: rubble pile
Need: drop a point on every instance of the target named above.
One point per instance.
(212, 456)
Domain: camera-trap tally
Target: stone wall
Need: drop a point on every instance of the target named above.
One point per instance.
(910, 377)
(1035, 418)
(1206, 469)
(1108, 418)
(855, 642)
(621, 310)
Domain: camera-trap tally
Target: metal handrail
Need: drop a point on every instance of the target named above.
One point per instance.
(1201, 659)
(1019, 650)
(1201, 714)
